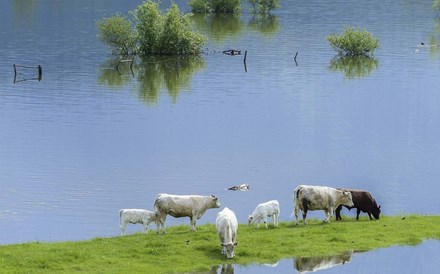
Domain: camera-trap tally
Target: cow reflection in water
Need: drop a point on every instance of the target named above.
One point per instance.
(220, 269)
(311, 264)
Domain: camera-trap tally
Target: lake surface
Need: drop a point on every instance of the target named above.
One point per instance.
(88, 140)
(399, 259)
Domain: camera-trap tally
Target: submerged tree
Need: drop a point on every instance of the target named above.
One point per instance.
(117, 33)
(263, 6)
(216, 6)
(155, 33)
(354, 42)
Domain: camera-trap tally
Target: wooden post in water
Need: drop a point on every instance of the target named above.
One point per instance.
(294, 58)
(245, 55)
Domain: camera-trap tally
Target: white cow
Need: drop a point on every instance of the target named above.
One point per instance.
(227, 224)
(135, 216)
(192, 206)
(264, 210)
(319, 198)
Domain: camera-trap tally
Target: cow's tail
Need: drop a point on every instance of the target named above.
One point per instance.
(295, 198)
(120, 215)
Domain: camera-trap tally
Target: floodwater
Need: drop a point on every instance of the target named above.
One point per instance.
(398, 259)
(87, 140)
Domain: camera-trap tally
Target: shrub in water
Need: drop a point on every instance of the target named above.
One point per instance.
(116, 32)
(263, 6)
(354, 42)
(155, 33)
(216, 6)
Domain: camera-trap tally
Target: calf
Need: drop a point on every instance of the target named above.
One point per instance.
(135, 216)
(192, 206)
(363, 201)
(264, 210)
(227, 224)
(319, 198)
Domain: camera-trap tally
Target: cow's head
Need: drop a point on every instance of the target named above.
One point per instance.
(346, 199)
(250, 220)
(229, 248)
(376, 212)
(215, 202)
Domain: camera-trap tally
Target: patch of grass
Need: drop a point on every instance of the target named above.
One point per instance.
(182, 250)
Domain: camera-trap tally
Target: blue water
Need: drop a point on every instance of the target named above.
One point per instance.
(85, 141)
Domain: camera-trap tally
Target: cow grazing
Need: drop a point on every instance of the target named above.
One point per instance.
(227, 224)
(264, 210)
(312, 264)
(319, 198)
(135, 216)
(363, 201)
(192, 206)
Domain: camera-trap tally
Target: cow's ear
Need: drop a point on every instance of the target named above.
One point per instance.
(236, 243)
(379, 207)
(222, 244)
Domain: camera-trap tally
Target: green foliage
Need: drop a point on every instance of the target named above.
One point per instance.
(354, 42)
(216, 6)
(168, 253)
(436, 5)
(166, 34)
(116, 32)
(200, 6)
(263, 6)
(155, 34)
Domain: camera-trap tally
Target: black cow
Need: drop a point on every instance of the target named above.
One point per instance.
(363, 201)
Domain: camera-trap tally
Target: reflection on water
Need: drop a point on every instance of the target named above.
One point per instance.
(266, 24)
(219, 269)
(311, 264)
(353, 66)
(152, 74)
(219, 26)
(434, 40)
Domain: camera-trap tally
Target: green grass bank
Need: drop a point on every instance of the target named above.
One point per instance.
(184, 251)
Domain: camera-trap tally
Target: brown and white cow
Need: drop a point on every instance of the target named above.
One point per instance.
(227, 225)
(192, 206)
(319, 198)
(363, 201)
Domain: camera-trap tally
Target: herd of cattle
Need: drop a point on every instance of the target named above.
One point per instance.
(305, 198)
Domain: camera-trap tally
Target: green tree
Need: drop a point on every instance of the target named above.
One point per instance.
(116, 32)
(354, 42)
(263, 6)
(216, 6)
(155, 33)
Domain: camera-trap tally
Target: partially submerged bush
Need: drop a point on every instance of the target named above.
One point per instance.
(116, 32)
(354, 42)
(216, 6)
(264, 6)
(155, 33)
(436, 5)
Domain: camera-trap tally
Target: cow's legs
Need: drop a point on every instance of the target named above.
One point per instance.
(338, 213)
(265, 220)
(295, 211)
(328, 214)
(123, 227)
(193, 223)
(160, 222)
(358, 211)
(145, 227)
(369, 215)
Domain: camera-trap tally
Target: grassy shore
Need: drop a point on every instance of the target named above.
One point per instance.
(184, 251)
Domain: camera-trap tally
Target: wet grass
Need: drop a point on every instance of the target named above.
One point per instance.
(183, 251)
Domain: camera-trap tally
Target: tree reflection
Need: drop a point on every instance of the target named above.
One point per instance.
(353, 66)
(267, 24)
(152, 75)
(115, 76)
(434, 38)
(219, 26)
